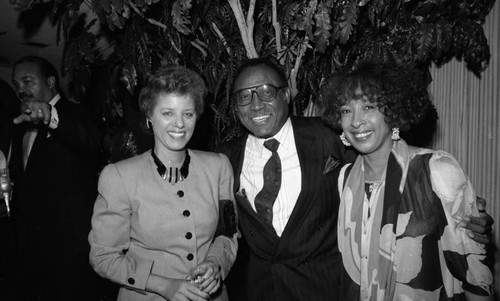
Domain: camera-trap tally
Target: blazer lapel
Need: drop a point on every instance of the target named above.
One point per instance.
(37, 145)
(246, 209)
(236, 153)
(307, 148)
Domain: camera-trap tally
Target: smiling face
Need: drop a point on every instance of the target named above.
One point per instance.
(173, 121)
(365, 127)
(30, 84)
(262, 119)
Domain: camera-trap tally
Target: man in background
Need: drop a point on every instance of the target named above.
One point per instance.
(53, 160)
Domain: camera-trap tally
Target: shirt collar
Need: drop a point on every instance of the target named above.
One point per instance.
(283, 137)
(54, 100)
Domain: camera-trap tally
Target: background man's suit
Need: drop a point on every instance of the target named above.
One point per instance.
(55, 194)
(304, 263)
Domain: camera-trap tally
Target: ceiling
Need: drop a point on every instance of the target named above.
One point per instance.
(26, 35)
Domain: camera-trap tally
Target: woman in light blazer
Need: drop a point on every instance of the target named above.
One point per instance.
(164, 224)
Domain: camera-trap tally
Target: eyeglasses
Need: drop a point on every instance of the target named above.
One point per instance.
(265, 92)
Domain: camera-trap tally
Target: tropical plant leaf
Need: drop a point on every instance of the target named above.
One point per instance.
(114, 20)
(180, 16)
(344, 25)
(477, 54)
(424, 9)
(363, 2)
(425, 42)
(23, 5)
(117, 5)
(323, 27)
(78, 57)
(309, 18)
(102, 6)
(443, 38)
(294, 16)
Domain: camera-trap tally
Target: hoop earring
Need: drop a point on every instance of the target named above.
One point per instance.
(344, 140)
(149, 124)
(395, 134)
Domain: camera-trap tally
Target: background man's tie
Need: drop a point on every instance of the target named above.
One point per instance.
(272, 181)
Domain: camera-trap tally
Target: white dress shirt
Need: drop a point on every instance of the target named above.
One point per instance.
(252, 173)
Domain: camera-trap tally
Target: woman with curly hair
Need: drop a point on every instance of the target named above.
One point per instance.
(400, 205)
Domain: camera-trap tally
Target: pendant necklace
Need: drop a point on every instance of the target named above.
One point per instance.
(172, 174)
(370, 186)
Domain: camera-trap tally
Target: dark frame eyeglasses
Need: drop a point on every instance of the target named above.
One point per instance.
(265, 92)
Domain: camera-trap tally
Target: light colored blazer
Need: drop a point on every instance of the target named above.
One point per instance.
(143, 224)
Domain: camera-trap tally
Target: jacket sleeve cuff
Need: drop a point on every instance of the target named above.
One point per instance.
(224, 250)
(138, 276)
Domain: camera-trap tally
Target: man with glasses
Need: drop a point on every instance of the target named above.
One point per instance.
(284, 182)
(292, 250)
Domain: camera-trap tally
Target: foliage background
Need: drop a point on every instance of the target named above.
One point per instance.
(311, 39)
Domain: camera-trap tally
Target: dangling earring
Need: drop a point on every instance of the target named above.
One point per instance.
(344, 140)
(395, 134)
(149, 125)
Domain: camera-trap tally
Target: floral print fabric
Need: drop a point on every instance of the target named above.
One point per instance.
(413, 248)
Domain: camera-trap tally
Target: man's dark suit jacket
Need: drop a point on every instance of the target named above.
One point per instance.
(304, 263)
(55, 196)
(9, 105)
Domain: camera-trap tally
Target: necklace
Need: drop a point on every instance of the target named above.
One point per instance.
(173, 174)
(370, 186)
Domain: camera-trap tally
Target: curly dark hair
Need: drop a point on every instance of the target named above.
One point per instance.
(400, 91)
(173, 80)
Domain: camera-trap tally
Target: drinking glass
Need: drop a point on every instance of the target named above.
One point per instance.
(5, 188)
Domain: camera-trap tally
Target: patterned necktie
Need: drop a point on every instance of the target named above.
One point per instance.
(272, 182)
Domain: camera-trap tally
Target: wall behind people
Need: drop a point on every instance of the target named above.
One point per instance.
(469, 124)
(21, 37)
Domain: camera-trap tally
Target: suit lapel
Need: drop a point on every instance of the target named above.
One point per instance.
(16, 161)
(246, 209)
(236, 153)
(37, 145)
(307, 148)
